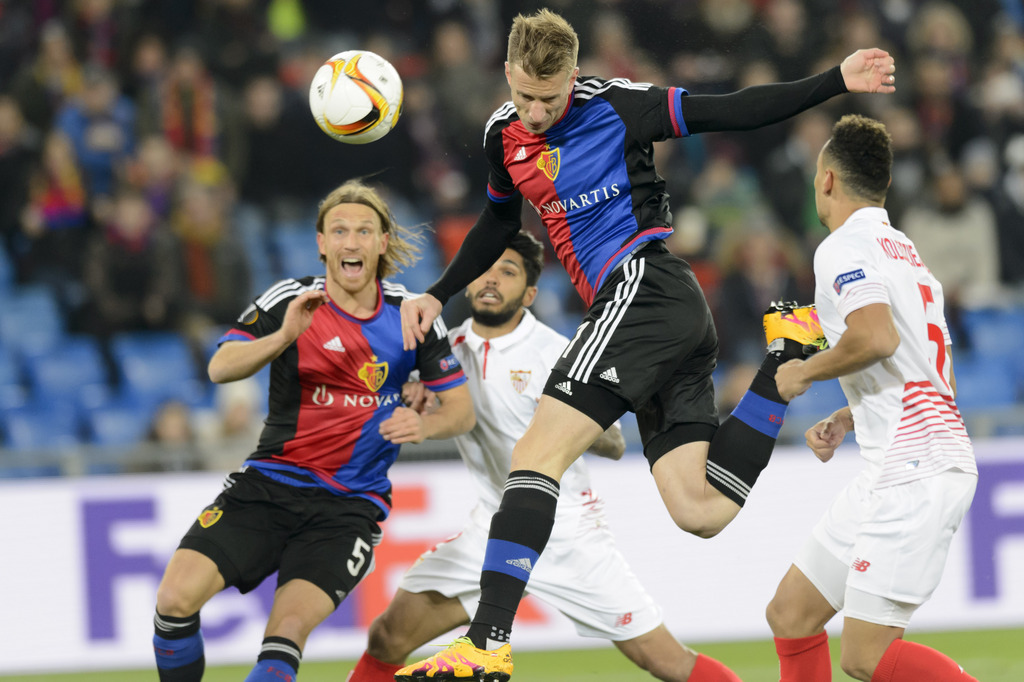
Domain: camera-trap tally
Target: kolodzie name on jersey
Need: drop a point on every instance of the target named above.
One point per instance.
(900, 251)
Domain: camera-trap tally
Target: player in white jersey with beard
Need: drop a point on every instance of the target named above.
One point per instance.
(507, 355)
(879, 551)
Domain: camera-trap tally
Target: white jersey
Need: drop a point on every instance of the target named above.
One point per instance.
(506, 379)
(906, 421)
(581, 573)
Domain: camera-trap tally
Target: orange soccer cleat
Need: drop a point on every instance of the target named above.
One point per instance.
(787, 325)
(461, 661)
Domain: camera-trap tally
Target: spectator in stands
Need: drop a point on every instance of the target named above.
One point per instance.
(100, 123)
(56, 221)
(153, 171)
(956, 235)
(215, 272)
(225, 435)
(273, 179)
(192, 110)
(131, 279)
(758, 268)
(171, 441)
(43, 85)
(18, 155)
(788, 180)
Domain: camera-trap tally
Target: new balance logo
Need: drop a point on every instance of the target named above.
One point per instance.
(520, 155)
(610, 375)
(860, 565)
(335, 345)
(522, 564)
(565, 387)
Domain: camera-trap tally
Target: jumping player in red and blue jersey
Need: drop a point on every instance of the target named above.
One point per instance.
(580, 150)
(308, 501)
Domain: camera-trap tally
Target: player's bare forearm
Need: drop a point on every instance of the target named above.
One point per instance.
(236, 360)
(454, 414)
(609, 444)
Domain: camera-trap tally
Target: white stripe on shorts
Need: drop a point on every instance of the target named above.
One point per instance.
(609, 321)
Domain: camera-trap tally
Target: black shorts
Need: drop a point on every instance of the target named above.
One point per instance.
(648, 345)
(258, 525)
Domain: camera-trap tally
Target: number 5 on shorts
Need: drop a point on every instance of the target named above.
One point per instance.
(359, 554)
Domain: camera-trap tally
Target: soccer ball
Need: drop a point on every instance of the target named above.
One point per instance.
(356, 97)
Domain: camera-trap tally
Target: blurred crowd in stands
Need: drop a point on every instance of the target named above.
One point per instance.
(159, 167)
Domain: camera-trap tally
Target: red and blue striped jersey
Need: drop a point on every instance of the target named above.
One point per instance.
(591, 176)
(331, 389)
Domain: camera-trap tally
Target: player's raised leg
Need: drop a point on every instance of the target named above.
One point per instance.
(705, 484)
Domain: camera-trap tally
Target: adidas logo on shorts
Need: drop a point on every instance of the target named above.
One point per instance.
(610, 375)
(565, 387)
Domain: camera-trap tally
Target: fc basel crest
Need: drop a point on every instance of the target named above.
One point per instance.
(210, 516)
(549, 162)
(520, 379)
(374, 373)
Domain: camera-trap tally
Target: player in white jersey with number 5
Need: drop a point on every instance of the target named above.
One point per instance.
(879, 551)
(507, 355)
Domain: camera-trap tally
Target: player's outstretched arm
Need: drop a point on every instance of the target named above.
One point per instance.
(417, 315)
(870, 70)
(236, 360)
(453, 416)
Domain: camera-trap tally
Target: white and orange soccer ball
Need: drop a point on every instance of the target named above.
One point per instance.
(356, 97)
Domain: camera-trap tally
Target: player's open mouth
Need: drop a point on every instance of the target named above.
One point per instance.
(351, 266)
(489, 297)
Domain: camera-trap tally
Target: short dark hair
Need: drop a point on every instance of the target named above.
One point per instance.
(861, 151)
(532, 251)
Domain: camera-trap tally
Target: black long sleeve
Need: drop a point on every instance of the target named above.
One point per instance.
(759, 105)
(483, 245)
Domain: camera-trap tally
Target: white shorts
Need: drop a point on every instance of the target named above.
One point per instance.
(586, 578)
(879, 553)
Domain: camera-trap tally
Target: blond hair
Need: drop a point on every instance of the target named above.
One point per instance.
(403, 244)
(543, 44)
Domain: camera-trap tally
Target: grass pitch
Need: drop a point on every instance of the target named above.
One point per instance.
(988, 655)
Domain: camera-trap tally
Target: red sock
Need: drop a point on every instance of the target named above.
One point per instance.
(369, 669)
(912, 661)
(804, 659)
(709, 670)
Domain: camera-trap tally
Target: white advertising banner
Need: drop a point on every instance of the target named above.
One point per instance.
(82, 558)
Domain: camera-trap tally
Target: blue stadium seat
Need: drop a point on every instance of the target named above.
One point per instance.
(41, 427)
(118, 425)
(156, 366)
(12, 388)
(295, 251)
(984, 382)
(30, 321)
(821, 399)
(75, 372)
(6, 272)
